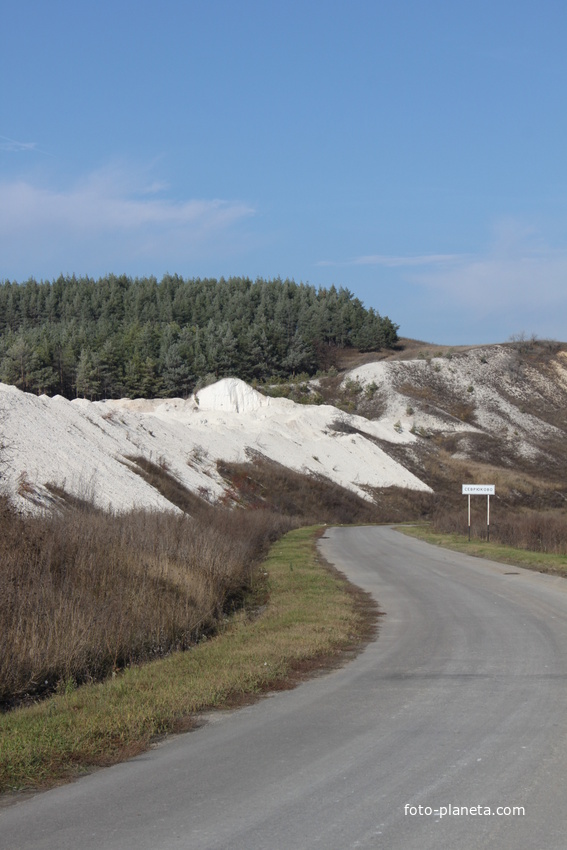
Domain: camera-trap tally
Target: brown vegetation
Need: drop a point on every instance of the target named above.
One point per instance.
(157, 475)
(83, 592)
(535, 531)
(311, 498)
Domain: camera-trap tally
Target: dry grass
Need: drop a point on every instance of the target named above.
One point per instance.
(84, 593)
(313, 499)
(510, 482)
(543, 562)
(158, 476)
(534, 531)
(309, 617)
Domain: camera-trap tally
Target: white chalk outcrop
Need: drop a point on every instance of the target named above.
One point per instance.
(84, 446)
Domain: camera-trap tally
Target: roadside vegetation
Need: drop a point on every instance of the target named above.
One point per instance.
(535, 539)
(309, 498)
(534, 531)
(84, 593)
(545, 562)
(88, 597)
(295, 616)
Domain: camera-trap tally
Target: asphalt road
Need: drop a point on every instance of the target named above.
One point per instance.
(461, 702)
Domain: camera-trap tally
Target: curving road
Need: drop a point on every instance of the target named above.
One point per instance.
(461, 702)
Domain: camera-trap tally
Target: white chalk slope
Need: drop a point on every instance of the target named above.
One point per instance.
(486, 393)
(485, 379)
(84, 446)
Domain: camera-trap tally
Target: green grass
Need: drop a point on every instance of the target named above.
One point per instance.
(300, 614)
(542, 561)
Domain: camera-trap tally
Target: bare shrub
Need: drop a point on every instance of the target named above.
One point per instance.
(342, 426)
(523, 343)
(83, 593)
(159, 476)
(4, 446)
(536, 531)
(311, 498)
(197, 456)
(462, 410)
(24, 486)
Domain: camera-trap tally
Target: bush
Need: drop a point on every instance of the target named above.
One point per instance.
(84, 592)
(535, 531)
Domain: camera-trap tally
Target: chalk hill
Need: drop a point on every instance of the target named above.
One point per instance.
(422, 423)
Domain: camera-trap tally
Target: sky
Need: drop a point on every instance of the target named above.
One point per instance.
(414, 152)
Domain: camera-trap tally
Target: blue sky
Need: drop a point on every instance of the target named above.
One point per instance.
(414, 152)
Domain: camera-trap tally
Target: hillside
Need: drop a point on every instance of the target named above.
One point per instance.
(118, 337)
(486, 414)
(491, 414)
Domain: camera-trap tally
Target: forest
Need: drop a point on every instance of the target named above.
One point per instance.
(120, 337)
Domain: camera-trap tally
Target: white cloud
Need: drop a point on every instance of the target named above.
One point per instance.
(110, 218)
(401, 261)
(519, 271)
(13, 146)
(392, 261)
(517, 282)
(101, 203)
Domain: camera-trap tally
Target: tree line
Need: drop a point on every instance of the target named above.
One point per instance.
(118, 336)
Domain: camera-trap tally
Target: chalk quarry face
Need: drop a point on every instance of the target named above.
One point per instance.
(459, 406)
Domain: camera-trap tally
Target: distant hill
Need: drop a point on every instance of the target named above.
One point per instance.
(422, 425)
(118, 337)
(484, 414)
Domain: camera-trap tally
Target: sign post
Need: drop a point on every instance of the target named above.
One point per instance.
(487, 490)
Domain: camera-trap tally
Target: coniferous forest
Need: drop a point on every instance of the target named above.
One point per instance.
(119, 336)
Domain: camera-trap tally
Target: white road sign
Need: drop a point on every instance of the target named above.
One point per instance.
(479, 489)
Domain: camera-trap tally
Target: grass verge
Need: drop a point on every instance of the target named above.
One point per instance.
(300, 616)
(541, 561)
